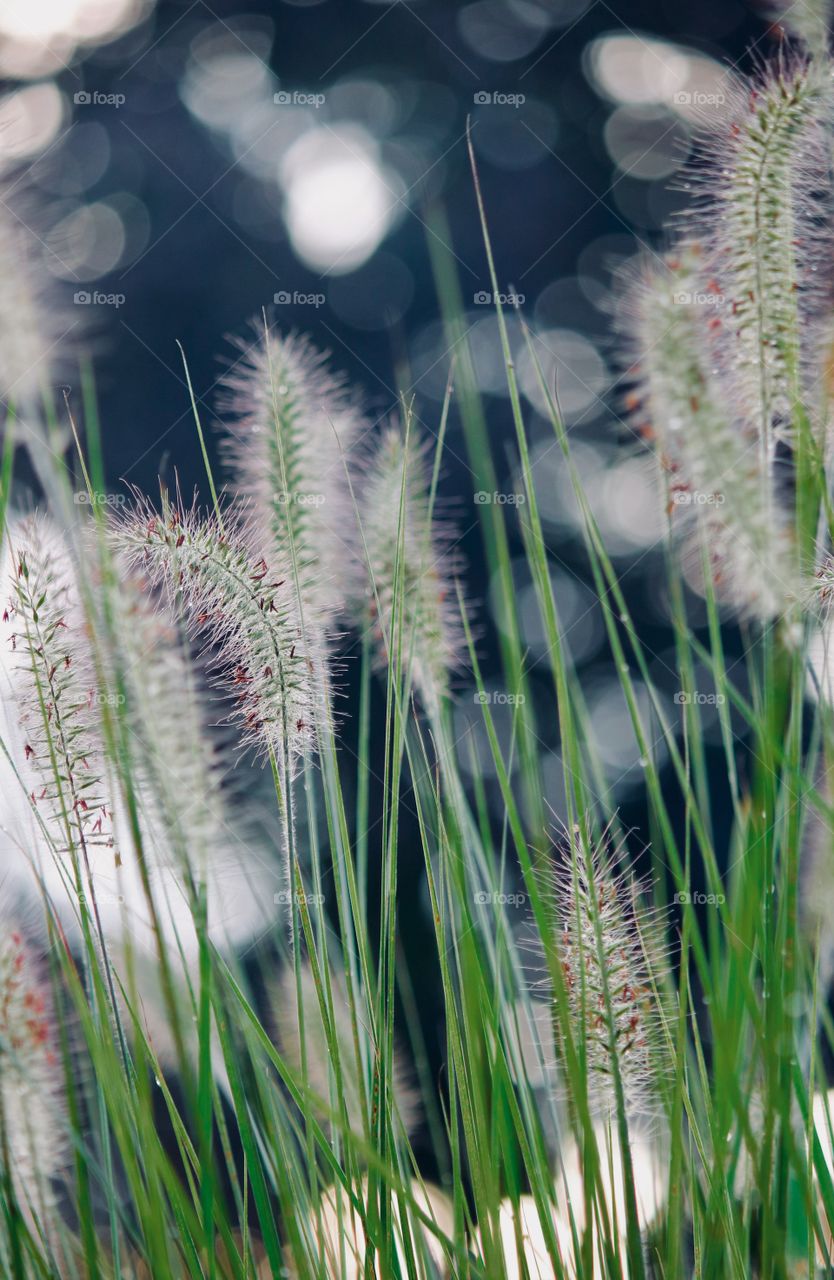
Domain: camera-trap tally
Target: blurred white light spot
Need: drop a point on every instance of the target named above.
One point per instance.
(340, 200)
(515, 137)
(87, 243)
(548, 13)
(571, 364)
(628, 505)
(77, 163)
(580, 624)
(554, 487)
(81, 21)
(29, 120)
(496, 33)
(636, 69)
(224, 81)
(612, 731)
(367, 103)
(646, 142)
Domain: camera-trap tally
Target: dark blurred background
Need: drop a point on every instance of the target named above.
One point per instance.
(194, 162)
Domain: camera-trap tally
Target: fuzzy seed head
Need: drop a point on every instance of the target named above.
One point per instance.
(411, 596)
(54, 690)
(292, 423)
(31, 1110)
(181, 768)
(765, 222)
(243, 608)
(721, 493)
(602, 944)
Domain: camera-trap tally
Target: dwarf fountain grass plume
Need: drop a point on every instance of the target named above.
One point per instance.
(184, 813)
(243, 608)
(304, 1038)
(765, 222)
(181, 767)
(54, 692)
(719, 489)
(605, 944)
(411, 596)
(62, 811)
(33, 1142)
(293, 422)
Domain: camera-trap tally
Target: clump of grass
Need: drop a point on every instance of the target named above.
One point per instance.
(229, 1098)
